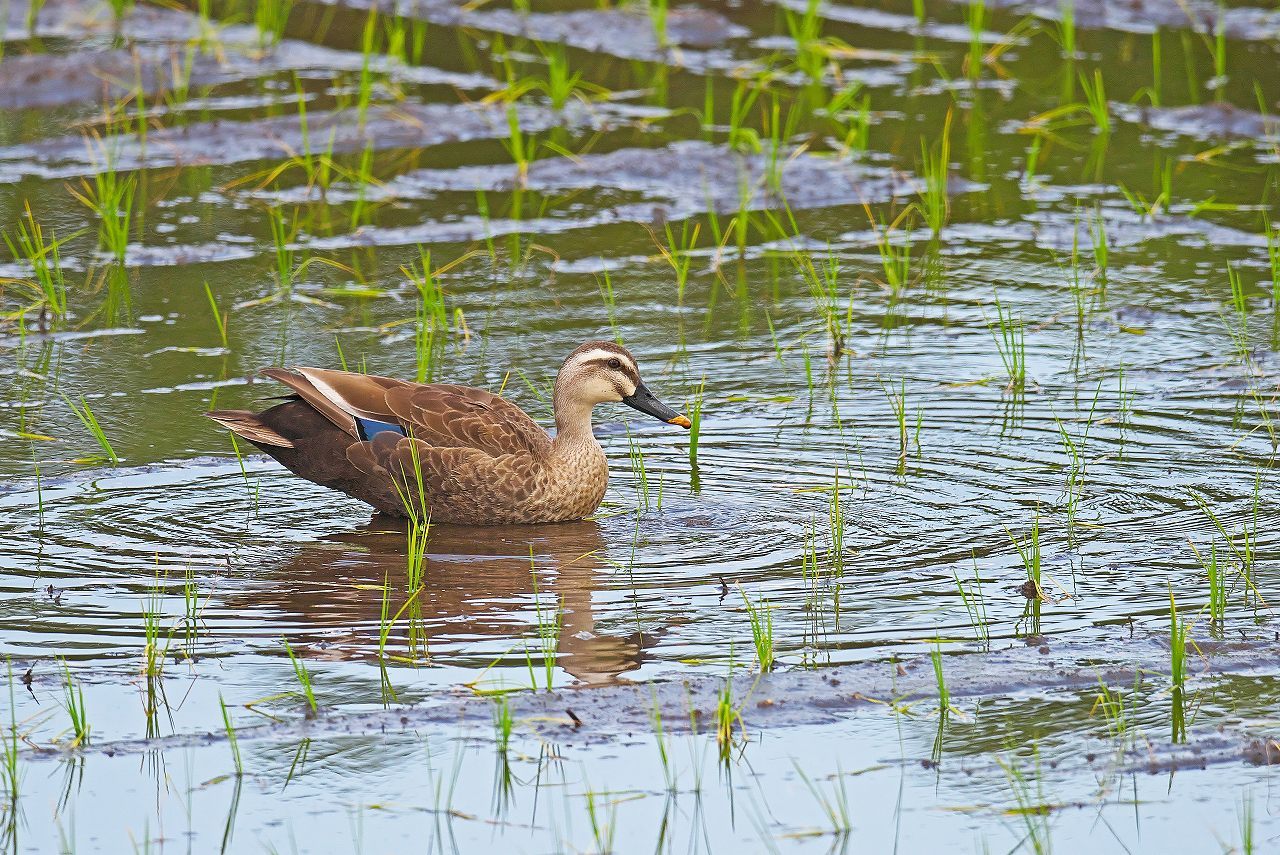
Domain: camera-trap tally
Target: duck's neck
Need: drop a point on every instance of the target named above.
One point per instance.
(573, 422)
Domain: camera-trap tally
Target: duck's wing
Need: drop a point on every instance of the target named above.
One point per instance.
(441, 415)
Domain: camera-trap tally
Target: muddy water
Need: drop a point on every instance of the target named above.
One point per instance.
(1144, 429)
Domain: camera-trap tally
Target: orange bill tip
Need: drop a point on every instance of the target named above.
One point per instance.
(683, 421)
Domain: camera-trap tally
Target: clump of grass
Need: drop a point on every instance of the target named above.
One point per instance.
(271, 17)
(940, 679)
(73, 694)
(85, 414)
(678, 252)
(432, 318)
(727, 716)
(824, 287)
(1117, 710)
(503, 724)
(935, 163)
(1095, 95)
(760, 615)
(549, 621)
(1177, 670)
(1009, 333)
(1029, 551)
(47, 289)
(695, 423)
(975, 606)
(304, 680)
(975, 15)
(111, 196)
(1032, 807)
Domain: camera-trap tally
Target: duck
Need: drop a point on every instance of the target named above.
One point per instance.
(457, 454)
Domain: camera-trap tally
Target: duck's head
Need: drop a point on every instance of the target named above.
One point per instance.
(601, 372)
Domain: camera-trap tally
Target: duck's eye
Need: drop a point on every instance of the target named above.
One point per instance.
(615, 364)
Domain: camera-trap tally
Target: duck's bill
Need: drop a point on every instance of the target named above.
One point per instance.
(648, 403)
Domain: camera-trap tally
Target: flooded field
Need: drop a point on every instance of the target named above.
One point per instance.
(977, 308)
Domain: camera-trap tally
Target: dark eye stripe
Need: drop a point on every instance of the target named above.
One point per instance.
(625, 369)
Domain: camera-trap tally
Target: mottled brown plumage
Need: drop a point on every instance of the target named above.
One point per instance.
(480, 460)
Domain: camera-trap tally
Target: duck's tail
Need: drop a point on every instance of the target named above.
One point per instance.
(248, 425)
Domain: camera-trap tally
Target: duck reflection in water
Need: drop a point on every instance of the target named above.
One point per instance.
(478, 581)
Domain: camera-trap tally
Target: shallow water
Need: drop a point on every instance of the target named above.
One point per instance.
(1144, 431)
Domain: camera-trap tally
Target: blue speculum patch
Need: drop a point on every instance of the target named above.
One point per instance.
(369, 428)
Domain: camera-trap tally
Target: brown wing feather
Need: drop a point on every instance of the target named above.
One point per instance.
(449, 416)
(461, 484)
(309, 393)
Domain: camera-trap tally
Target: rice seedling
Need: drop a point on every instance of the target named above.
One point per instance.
(234, 743)
(10, 768)
(1074, 447)
(432, 316)
(645, 498)
(271, 17)
(1239, 330)
(678, 252)
(1066, 30)
(1216, 572)
(741, 103)
(895, 255)
(220, 318)
(1101, 253)
(119, 9)
(658, 18)
(760, 615)
(33, 19)
(935, 163)
(503, 724)
(834, 806)
(1273, 256)
(1031, 805)
(1244, 817)
(1009, 334)
(561, 84)
(1177, 670)
(898, 402)
(47, 289)
(73, 703)
(549, 623)
(602, 827)
(522, 147)
(659, 735)
(975, 16)
(1117, 709)
(836, 524)
(1029, 551)
(604, 282)
(694, 408)
(940, 679)
(726, 717)
(1095, 97)
(824, 287)
(84, 413)
(975, 606)
(111, 197)
(1243, 544)
(806, 36)
(304, 679)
